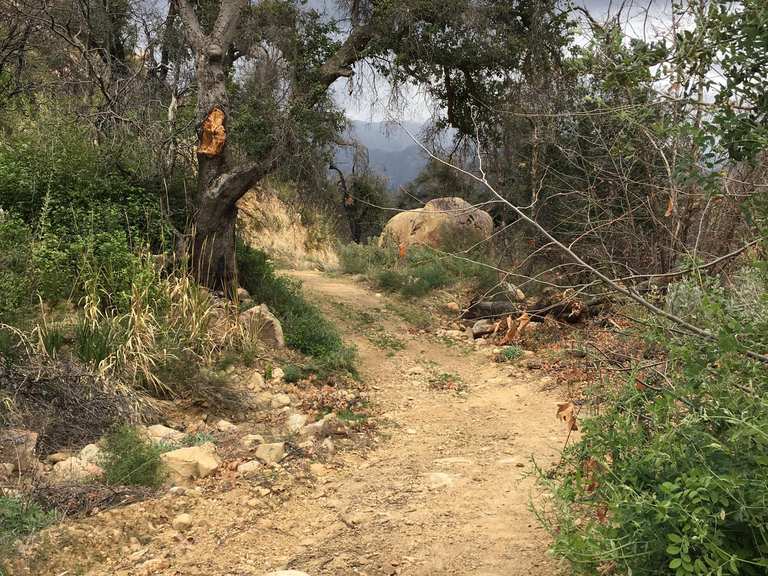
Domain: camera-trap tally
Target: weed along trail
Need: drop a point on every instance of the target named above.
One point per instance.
(439, 484)
(448, 489)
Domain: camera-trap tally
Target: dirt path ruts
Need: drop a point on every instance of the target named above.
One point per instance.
(445, 491)
(449, 492)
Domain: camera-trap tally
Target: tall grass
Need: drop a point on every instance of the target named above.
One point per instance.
(167, 329)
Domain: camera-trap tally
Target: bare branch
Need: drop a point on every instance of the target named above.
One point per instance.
(612, 284)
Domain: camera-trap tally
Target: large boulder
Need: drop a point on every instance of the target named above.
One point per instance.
(265, 325)
(440, 222)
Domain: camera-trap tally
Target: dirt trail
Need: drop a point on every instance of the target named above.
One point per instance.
(445, 490)
(449, 491)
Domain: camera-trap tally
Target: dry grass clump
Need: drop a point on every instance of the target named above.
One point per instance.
(164, 341)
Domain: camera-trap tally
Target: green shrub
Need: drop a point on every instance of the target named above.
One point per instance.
(18, 518)
(130, 459)
(672, 477)
(86, 215)
(293, 373)
(54, 267)
(16, 287)
(510, 353)
(361, 258)
(305, 327)
(389, 280)
(9, 345)
(424, 278)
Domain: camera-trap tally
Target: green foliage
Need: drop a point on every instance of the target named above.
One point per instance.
(129, 459)
(363, 206)
(305, 327)
(198, 439)
(293, 373)
(434, 180)
(18, 518)
(670, 478)
(15, 268)
(52, 176)
(362, 258)
(351, 416)
(94, 342)
(730, 37)
(511, 353)
(86, 216)
(422, 271)
(460, 51)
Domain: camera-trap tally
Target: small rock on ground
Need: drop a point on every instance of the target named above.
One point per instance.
(278, 374)
(250, 468)
(256, 381)
(75, 470)
(160, 433)
(271, 453)
(251, 440)
(90, 454)
(281, 400)
(225, 426)
(187, 464)
(296, 422)
(182, 522)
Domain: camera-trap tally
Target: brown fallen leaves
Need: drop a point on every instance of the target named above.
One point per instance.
(515, 328)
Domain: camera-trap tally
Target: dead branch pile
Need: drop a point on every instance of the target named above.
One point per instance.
(66, 404)
(78, 499)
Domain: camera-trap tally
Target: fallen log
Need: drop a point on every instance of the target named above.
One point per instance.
(550, 304)
(484, 309)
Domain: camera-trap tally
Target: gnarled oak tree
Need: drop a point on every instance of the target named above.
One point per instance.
(460, 51)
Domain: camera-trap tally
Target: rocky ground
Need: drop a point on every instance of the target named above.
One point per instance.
(436, 481)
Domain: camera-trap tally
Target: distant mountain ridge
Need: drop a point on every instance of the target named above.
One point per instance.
(392, 152)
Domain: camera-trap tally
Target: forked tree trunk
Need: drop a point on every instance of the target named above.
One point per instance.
(212, 248)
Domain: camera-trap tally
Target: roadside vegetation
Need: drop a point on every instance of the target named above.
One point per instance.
(619, 177)
(101, 324)
(670, 476)
(420, 271)
(20, 517)
(305, 327)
